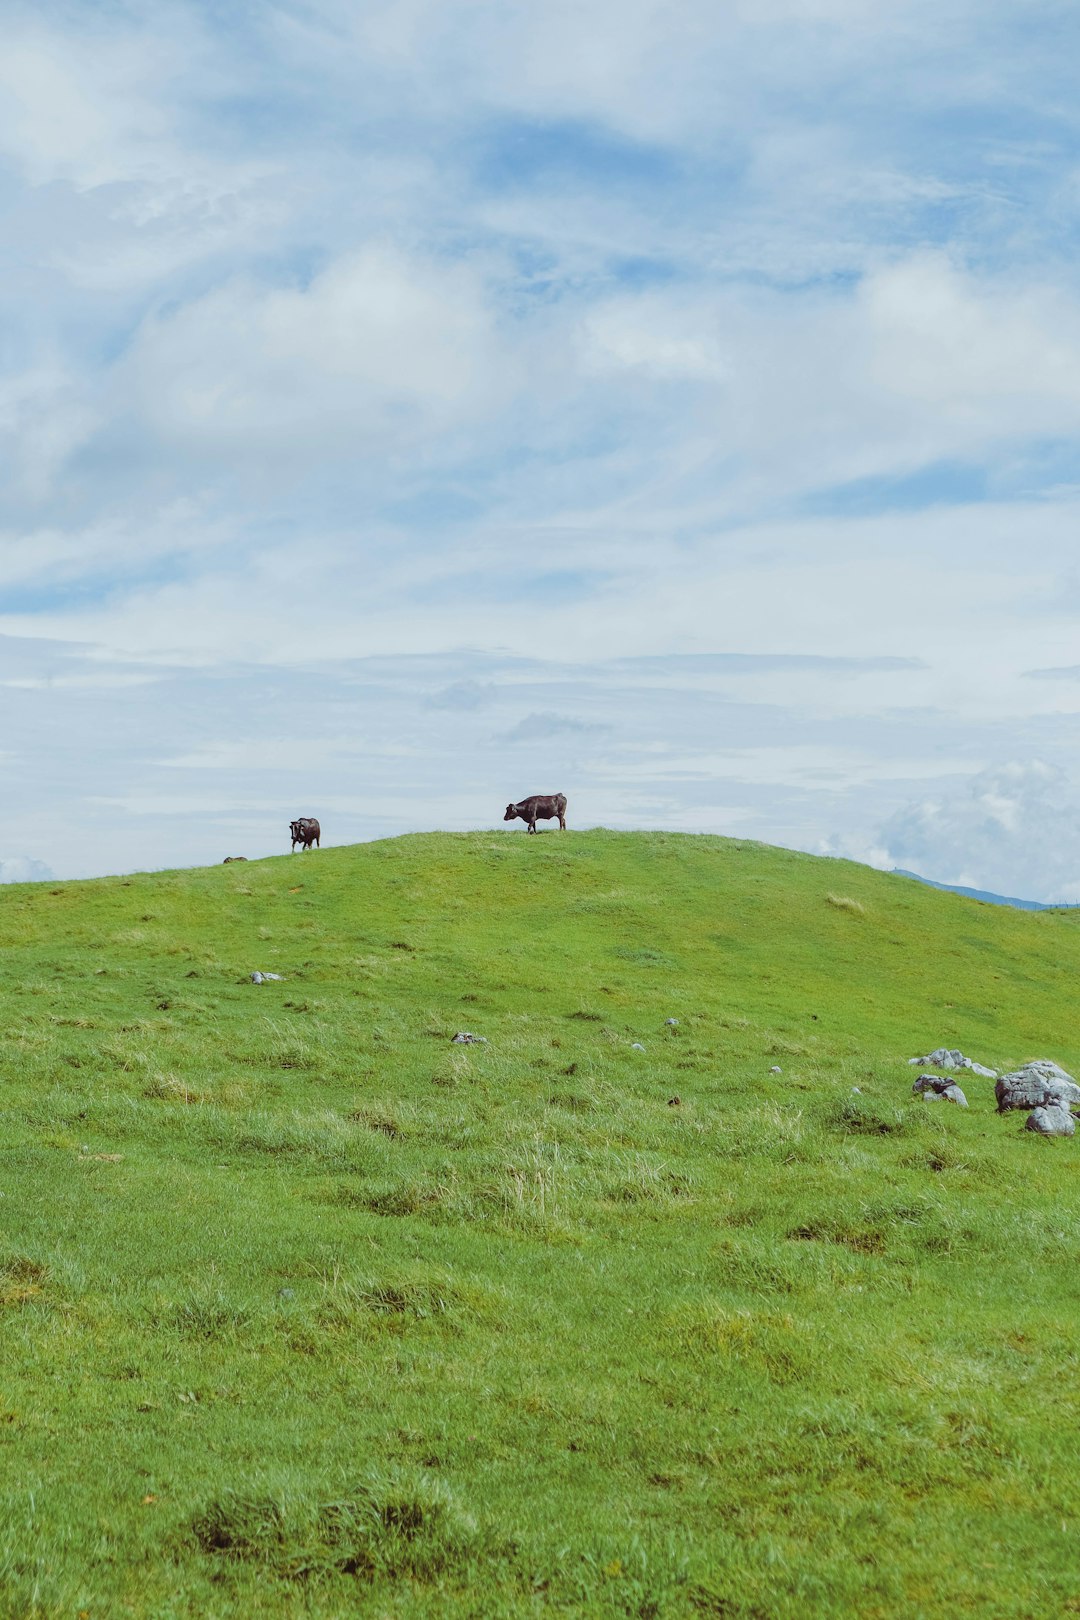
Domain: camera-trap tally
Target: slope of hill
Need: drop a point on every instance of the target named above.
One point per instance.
(307, 1309)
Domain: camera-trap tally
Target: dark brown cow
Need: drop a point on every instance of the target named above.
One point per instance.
(540, 807)
(305, 832)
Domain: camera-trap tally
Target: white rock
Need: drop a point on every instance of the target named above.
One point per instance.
(1038, 1084)
(636, 1046)
(942, 1057)
(1051, 1120)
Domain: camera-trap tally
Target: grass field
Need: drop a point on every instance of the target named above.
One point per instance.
(307, 1311)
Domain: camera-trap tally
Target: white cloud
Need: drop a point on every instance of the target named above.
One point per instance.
(378, 350)
(117, 547)
(654, 335)
(1013, 829)
(23, 869)
(999, 354)
(462, 696)
(537, 726)
(265, 754)
(106, 681)
(80, 109)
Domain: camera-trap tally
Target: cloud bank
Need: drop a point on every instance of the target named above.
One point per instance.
(414, 406)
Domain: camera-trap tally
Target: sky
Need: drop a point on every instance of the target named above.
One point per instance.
(406, 407)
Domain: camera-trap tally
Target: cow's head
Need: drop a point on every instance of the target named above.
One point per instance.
(294, 828)
(511, 812)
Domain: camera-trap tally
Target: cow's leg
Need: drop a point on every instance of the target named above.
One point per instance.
(562, 822)
(532, 825)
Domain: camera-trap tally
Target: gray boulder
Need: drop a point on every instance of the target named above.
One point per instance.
(1037, 1085)
(465, 1037)
(933, 1086)
(942, 1057)
(1051, 1120)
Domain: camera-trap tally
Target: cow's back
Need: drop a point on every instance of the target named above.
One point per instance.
(542, 806)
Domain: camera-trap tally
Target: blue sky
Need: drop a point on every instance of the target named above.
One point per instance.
(409, 406)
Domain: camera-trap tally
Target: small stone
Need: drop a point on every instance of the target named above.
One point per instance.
(1051, 1119)
(857, 1090)
(636, 1046)
(671, 1022)
(674, 1102)
(256, 978)
(465, 1037)
(776, 1069)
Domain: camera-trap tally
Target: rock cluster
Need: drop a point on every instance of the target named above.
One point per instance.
(933, 1086)
(465, 1037)
(943, 1058)
(1050, 1096)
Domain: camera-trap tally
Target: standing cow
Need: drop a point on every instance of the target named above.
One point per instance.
(541, 807)
(305, 832)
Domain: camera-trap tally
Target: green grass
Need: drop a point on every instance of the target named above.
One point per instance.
(306, 1311)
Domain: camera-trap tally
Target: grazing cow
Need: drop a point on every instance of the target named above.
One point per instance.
(305, 832)
(229, 858)
(540, 807)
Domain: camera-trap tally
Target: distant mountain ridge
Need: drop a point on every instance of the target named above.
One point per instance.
(983, 894)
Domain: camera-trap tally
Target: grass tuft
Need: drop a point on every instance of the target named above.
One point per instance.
(390, 1528)
(844, 902)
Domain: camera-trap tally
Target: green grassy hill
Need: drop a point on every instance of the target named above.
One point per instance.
(307, 1310)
